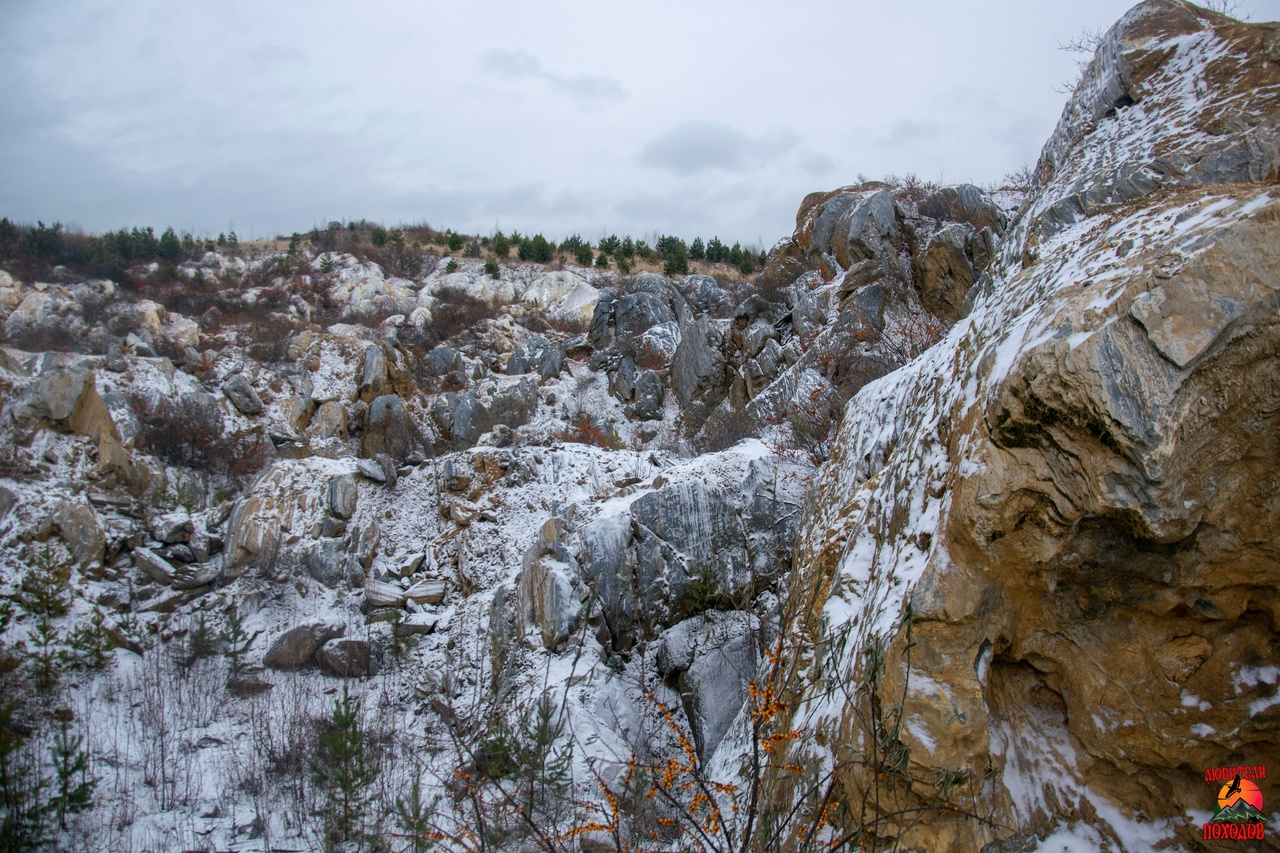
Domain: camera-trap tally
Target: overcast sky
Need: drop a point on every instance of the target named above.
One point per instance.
(693, 118)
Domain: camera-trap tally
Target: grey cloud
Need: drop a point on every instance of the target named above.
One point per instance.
(910, 130)
(518, 65)
(817, 164)
(701, 146)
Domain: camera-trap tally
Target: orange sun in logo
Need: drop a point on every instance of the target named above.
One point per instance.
(1247, 791)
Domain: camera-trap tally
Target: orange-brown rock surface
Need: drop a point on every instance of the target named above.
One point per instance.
(1037, 592)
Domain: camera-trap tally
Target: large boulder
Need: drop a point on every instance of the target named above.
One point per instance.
(563, 295)
(44, 320)
(296, 648)
(636, 312)
(329, 421)
(868, 230)
(706, 296)
(712, 660)
(470, 420)
(373, 374)
(536, 355)
(342, 496)
(513, 403)
(328, 563)
(242, 395)
(649, 394)
(77, 524)
(549, 597)
(350, 658)
(600, 330)
(944, 272)
(442, 361)
(388, 429)
(964, 203)
(711, 533)
(698, 366)
(52, 397)
(1049, 544)
(253, 534)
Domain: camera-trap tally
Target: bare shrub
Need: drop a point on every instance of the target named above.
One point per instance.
(188, 430)
(725, 428)
(568, 324)
(456, 312)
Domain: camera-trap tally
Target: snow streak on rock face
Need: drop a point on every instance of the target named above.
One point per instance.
(1061, 520)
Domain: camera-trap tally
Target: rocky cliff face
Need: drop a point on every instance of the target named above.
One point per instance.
(1026, 594)
(1040, 577)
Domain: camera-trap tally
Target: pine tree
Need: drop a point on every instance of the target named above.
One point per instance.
(73, 785)
(414, 816)
(201, 642)
(90, 643)
(170, 249)
(697, 251)
(22, 825)
(610, 245)
(44, 596)
(735, 255)
(716, 251)
(234, 640)
(342, 769)
(677, 261)
(501, 246)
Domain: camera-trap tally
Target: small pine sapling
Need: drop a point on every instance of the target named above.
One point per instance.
(342, 768)
(45, 597)
(413, 816)
(234, 641)
(73, 784)
(22, 786)
(90, 643)
(201, 643)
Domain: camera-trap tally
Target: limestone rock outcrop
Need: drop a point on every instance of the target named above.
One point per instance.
(1047, 545)
(705, 536)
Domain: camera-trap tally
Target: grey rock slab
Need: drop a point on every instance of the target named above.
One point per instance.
(429, 591)
(470, 420)
(350, 658)
(713, 657)
(343, 496)
(327, 562)
(442, 361)
(383, 594)
(698, 367)
(372, 470)
(242, 395)
(636, 312)
(964, 203)
(649, 395)
(52, 396)
(156, 567)
(77, 524)
(373, 378)
(388, 429)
